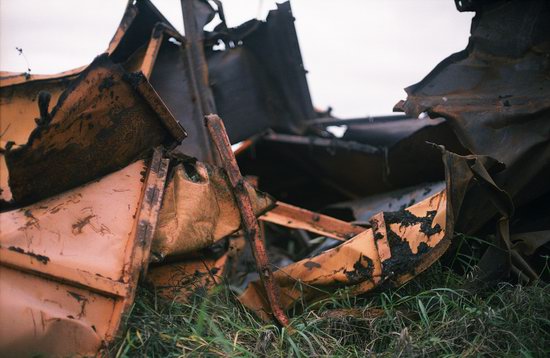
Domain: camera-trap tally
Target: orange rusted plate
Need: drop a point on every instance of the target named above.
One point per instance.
(69, 264)
(398, 247)
(199, 209)
(103, 121)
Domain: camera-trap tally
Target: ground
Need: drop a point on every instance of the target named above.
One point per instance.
(432, 315)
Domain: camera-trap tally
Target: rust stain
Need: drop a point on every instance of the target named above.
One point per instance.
(81, 223)
(32, 220)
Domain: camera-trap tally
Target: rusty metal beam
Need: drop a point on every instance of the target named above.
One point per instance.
(249, 222)
(330, 121)
(297, 218)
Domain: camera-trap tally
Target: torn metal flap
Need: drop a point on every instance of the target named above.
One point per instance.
(395, 250)
(199, 209)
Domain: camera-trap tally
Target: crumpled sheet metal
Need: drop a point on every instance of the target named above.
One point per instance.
(69, 264)
(399, 246)
(272, 90)
(199, 209)
(302, 166)
(266, 69)
(495, 94)
(395, 249)
(19, 110)
(103, 121)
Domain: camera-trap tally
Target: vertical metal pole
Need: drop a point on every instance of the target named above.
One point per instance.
(249, 221)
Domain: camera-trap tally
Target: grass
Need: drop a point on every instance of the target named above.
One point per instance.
(429, 316)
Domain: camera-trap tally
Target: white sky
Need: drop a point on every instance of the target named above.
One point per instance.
(360, 54)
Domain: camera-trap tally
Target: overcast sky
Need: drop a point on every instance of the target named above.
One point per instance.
(360, 54)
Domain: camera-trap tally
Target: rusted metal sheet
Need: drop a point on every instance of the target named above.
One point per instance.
(397, 246)
(18, 114)
(103, 121)
(490, 99)
(135, 44)
(56, 297)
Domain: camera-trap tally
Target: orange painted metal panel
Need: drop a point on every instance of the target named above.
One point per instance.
(95, 217)
(69, 264)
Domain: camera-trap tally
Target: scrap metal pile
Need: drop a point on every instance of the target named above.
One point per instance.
(122, 172)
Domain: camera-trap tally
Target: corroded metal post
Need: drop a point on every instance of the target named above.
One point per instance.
(249, 221)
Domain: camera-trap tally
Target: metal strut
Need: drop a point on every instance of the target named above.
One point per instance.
(249, 222)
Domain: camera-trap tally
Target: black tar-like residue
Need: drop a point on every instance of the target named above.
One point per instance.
(310, 265)
(403, 260)
(360, 272)
(406, 218)
(40, 258)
